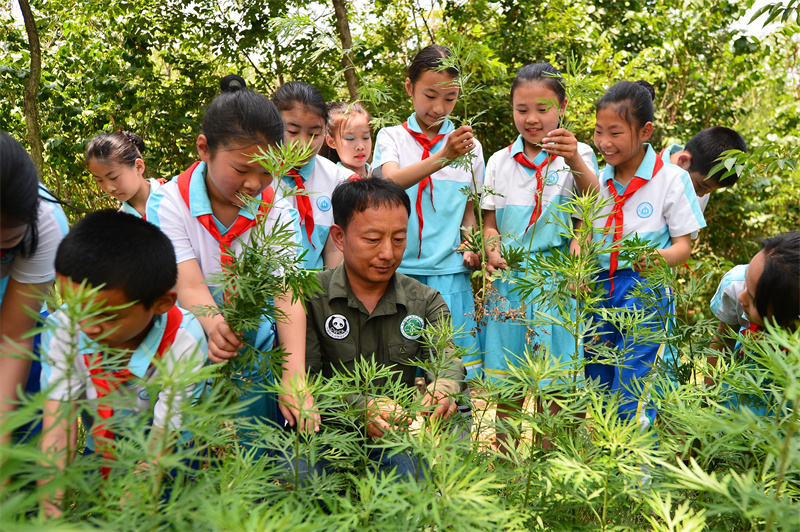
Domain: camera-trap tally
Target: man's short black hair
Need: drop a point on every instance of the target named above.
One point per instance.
(358, 195)
(120, 251)
(778, 288)
(706, 147)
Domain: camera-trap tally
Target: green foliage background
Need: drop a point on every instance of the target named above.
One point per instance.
(151, 67)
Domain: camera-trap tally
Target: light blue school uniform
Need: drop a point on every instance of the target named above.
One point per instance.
(433, 259)
(320, 176)
(191, 240)
(505, 340)
(665, 207)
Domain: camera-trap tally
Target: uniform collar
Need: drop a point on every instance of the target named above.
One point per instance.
(198, 195)
(143, 355)
(339, 163)
(413, 125)
(339, 288)
(519, 147)
(645, 170)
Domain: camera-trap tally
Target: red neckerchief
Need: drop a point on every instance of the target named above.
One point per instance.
(616, 218)
(241, 224)
(527, 163)
(303, 205)
(427, 144)
(106, 383)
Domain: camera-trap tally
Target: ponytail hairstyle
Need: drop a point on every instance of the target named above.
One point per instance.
(296, 93)
(633, 101)
(430, 58)
(543, 73)
(19, 193)
(778, 288)
(240, 115)
(120, 148)
(339, 113)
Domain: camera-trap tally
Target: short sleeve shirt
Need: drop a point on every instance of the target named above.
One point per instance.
(725, 303)
(65, 377)
(515, 198)
(442, 206)
(40, 267)
(168, 211)
(663, 208)
(126, 207)
(320, 176)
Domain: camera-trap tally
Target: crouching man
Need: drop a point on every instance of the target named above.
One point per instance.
(366, 309)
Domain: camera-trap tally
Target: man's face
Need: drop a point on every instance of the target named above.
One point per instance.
(373, 244)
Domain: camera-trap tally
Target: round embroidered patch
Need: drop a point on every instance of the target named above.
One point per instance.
(644, 210)
(324, 203)
(411, 325)
(144, 395)
(552, 178)
(337, 326)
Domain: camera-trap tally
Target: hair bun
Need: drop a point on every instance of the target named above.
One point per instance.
(134, 139)
(648, 87)
(232, 83)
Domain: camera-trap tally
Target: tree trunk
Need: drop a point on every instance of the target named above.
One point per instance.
(340, 8)
(32, 87)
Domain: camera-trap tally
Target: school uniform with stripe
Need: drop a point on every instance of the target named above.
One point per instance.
(725, 304)
(318, 178)
(666, 153)
(434, 227)
(657, 206)
(182, 210)
(524, 224)
(71, 360)
(154, 184)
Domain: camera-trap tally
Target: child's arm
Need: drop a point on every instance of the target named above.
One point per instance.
(470, 258)
(223, 344)
(59, 439)
(678, 253)
(292, 333)
(563, 143)
(331, 256)
(15, 362)
(458, 143)
(491, 235)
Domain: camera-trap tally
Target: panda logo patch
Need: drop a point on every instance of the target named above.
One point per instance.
(324, 203)
(337, 326)
(552, 178)
(644, 210)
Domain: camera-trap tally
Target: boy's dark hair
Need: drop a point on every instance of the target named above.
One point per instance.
(358, 195)
(543, 73)
(634, 101)
(706, 147)
(297, 93)
(778, 289)
(119, 250)
(19, 192)
(430, 58)
(120, 147)
(240, 114)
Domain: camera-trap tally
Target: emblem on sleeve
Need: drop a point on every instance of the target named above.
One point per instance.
(645, 209)
(324, 203)
(337, 326)
(411, 326)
